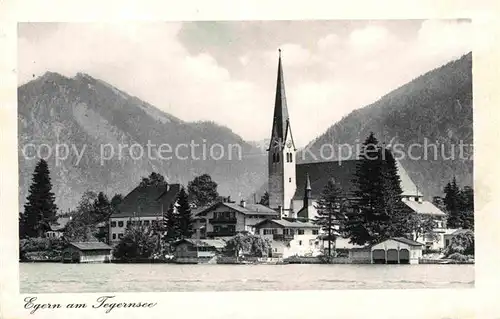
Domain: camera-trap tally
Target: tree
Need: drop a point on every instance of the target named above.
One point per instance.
(116, 201)
(462, 243)
(365, 224)
(467, 207)
(84, 220)
(203, 190)
(40, 209)
(452, 201)
(154, 179)
(185, 219)
(264, 200)
(395, 213)
(329, 212)
(246, 243)
(136, 244)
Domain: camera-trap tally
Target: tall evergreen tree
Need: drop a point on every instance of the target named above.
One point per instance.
(185, 220)
(264, 200)
(395, 213)
(170, 223)
(467, 207)
(329, 213)
(40, 209)
(364, 223)
(452, 202)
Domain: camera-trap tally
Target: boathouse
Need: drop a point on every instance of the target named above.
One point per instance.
(397, 250)
(87, 252)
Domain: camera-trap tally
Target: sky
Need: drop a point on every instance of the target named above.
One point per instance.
(226, 71)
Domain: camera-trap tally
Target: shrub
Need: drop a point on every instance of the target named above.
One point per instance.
(458, 257)
(462, 243)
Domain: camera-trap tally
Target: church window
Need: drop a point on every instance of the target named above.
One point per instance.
(277, 157)
(289, 179)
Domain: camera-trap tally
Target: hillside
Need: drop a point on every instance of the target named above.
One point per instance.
(436, 106)
(87, 114)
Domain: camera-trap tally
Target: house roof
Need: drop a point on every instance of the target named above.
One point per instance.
(461, 231)
(344, 173)
(407, 241)
(287, 224)
(148, 201)
(424, 208)
(91, 245)
(217, 243)
(249, 209)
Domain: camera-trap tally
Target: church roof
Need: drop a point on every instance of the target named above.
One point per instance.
(344, 173)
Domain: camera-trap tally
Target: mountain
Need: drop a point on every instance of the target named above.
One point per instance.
(92, 118)
(436, 106)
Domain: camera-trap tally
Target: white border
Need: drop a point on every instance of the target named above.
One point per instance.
(479, 302)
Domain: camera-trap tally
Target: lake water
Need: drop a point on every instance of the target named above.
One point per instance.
(71, 278)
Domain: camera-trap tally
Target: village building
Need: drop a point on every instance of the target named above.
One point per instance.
(197, 250)
(225, 219)
(87, 252)
(143, 206)
(290, 238)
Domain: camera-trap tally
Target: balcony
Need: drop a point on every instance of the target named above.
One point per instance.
(282, 236)
(221, 234)
(222, 220)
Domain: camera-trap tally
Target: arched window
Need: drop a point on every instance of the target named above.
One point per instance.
(291, 158)
(277, 157)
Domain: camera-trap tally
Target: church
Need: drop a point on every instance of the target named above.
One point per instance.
(295, 188)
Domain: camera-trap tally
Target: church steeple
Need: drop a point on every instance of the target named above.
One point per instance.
(281, 159)
(281, 120)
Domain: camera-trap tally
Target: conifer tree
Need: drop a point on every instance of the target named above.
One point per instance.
(364, 224)
(185, 220)
(329, 212)
(170, 223)
(40, 209)
(453, 205)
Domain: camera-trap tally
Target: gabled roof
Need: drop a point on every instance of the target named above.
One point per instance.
(148, 201)
(406, 241)
(90, 245)
(424, 208)
(249, 209)
(287, 224)
(344, 173)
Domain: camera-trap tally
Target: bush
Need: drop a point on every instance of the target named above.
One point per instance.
(136, 244)
(50, 247)
(462, 243)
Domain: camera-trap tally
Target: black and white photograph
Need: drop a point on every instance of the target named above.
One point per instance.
(245, 155)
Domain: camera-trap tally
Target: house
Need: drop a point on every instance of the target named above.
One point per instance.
(397, 250)
(290, 238)
(143, 206)
(57, 229)
(197, 250)
(87, 252)
(225, 219)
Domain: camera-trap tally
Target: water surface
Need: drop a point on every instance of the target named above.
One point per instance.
(72, 278)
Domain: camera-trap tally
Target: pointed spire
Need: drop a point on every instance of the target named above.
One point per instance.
(280, 108)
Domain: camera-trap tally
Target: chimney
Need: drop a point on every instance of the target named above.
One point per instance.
(229, 199)
(243, 203)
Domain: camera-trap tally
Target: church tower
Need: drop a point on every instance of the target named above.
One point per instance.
(281, 157)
